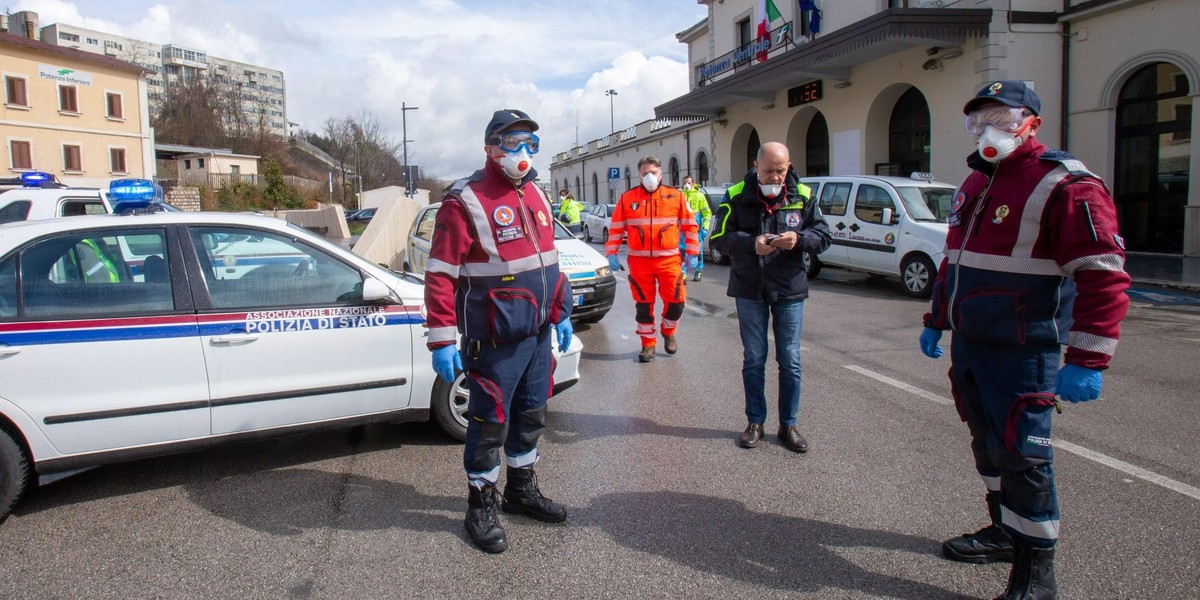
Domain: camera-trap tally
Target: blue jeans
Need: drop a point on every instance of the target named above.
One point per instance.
(753, 317)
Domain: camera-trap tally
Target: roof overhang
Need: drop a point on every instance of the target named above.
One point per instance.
(832, 56)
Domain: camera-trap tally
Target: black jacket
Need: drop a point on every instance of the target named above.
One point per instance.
(744, 215)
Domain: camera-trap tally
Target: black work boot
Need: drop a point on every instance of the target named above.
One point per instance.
(1032, 575)
(483, 524)
(522, 496)
(990, 544)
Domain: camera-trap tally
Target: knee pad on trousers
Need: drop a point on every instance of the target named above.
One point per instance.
(674, 311)
(643, 312)
(1029, 492)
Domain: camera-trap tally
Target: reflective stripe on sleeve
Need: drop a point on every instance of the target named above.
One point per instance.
(1091, 342)
(443, 334)
(1099, 262)
(440, 266)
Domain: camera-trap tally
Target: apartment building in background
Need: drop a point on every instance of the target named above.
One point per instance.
(878, 86)
(259, 91)
(82, 116)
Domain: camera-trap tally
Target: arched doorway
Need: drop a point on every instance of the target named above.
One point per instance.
(743, 149)
(578, 189)
(595, 186)
(908, 136)
(673, 170)
(816, 147)
(1153, 150)
(752, 146)
(702, 168)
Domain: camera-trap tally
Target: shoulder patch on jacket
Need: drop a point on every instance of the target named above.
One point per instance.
(736, 188)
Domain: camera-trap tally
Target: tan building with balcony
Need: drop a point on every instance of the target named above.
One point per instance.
(81, 116)
(879, 89)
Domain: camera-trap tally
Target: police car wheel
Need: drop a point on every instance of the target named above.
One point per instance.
(449, 402)
(14, 473)
(917, 273)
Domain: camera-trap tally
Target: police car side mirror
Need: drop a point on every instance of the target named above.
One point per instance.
(887, 216)
(374, 290)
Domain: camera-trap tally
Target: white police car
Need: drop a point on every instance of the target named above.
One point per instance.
(592, 282)
(884, 225)
(129, 336)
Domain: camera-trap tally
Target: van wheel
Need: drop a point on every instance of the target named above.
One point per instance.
(716, 256)
(812, 265)
(14, 473)
(917, 273)
(449, 402)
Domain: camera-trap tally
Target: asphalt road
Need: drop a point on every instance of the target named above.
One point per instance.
(663, 503)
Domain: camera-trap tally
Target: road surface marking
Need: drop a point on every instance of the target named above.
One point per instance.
(1104, 459)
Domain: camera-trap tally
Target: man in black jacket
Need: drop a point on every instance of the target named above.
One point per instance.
(766, 224)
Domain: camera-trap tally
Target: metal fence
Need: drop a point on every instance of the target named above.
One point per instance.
(217, 181)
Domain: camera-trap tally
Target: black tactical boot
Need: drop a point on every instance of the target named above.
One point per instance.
(990, 544)
(483, 524)
(522, 496)
(1032, 575)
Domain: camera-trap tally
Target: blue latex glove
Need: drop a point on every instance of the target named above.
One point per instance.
(565, 330)
(703, 234)
(447, 362)
(613, 263)
(693, 261)
(1078, 384)
(929, 342)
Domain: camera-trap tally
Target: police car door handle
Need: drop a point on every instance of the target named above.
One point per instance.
(6, 350)
(237, 338)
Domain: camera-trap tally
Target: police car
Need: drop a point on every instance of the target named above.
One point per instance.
(127, 336)
(884, 225)
(592, 283)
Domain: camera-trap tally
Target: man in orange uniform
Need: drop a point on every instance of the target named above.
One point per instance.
(653, 218)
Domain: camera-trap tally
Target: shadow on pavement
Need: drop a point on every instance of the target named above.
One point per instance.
(571, 428)
(724, 538)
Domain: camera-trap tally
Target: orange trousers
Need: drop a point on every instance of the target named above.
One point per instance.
(666, 274)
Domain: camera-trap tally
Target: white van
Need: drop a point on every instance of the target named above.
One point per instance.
(885, 225)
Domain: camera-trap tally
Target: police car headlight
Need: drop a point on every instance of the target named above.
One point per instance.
(603, 272)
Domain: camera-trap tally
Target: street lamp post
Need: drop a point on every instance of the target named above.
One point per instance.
(404, 132)
(612, 122)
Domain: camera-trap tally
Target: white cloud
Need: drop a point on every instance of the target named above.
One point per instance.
(457, 60)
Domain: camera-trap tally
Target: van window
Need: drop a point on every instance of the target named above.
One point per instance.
(870, 202)
(833, 199)
(927, 203)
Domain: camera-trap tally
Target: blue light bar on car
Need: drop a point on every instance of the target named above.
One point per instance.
(36, 178)
(132, 194)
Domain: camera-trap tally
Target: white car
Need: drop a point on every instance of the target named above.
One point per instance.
(126, 336)
(592, 282)
(885, 225)
(595, 222)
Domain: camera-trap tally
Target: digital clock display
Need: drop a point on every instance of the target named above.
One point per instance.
(803, 94)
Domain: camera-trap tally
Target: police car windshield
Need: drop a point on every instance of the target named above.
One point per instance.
(927, 203)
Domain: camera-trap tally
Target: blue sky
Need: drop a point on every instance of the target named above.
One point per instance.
(457, 60)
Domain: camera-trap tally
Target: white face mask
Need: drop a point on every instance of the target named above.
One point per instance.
(650, 182)
(770, 190)
(996, 145)
(516, 164)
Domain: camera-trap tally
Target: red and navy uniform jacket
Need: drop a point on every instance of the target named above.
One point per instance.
(493, 269)
(1033, 257)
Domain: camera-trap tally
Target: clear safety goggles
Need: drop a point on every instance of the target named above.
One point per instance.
(1005, 118)
(511, 141)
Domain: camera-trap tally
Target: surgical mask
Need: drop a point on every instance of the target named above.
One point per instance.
(562, 196)
(770, 190)
(516, 164)
(996, 145)
(650, 182)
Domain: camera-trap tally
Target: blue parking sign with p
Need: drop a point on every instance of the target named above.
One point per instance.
(614, 172)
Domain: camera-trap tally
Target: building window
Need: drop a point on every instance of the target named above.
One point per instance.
(71, 158)
(117, 160)
(14, 91)
(68, 98)
(199, 163)
(93, 41)
(745, 35)
(20, 154)
(187, 164)
(70, 37)
(112, 44)
(113, 105)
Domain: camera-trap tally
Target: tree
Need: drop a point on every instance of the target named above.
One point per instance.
(276, 193)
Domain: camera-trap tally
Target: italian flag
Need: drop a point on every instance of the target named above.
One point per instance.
(767, 14)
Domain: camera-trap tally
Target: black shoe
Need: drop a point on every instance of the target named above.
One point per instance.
(647, 354)
(483, 524)
(751, 436)
(696, 277)
(990, 544)
(522, 496)
(791, 439)
(670, 344)
(1032, 574)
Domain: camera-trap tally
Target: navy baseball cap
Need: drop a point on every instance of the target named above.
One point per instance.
(1012, 93)
(503, 119)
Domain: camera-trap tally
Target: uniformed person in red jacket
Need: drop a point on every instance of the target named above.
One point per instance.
(492, 284)
(1033, 261)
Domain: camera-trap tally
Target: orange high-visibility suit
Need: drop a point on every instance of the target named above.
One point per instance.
(653, 223)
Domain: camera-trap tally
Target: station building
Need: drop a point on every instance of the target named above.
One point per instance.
(877, 87)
